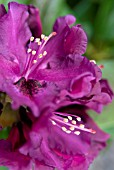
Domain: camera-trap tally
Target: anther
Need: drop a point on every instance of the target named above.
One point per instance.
(33, 52)
(92, 131)
(42, 36)
(101, 66)
(69, 117)
(39, 43)
(44, 53)
(68, 131)
(29, 50)
(71, 128)
(53, 122)
(81, 126)
(73, 122)
(45, 38)
(93, 61)
(54, 33)
(78, 119)
(65, 120)
(31, 38)
(34, 61)
(77, 132)
(40, 56)
(64, 129)
(37, 40)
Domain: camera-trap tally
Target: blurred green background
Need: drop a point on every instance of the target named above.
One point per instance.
(97, 19)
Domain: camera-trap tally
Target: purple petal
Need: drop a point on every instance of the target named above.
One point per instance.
(103, 95)
(62, 22)
(2, 10)
(34, 21)
(15, 33)
(11, 70)
(98, 72)
(20, 99)
(70, 67)
(105, 87)
(7, 78)
(76, 41)
(81, 86)
(64, 151)
(46, 97)
(15, 160)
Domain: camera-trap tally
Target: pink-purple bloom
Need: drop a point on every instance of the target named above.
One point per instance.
(52, 67)
(49, 76)
(61, 139)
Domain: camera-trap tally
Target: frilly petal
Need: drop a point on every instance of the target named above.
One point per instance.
(15, 33)
(64, 151)
(75, 41)
(62, 22)
(16, 160)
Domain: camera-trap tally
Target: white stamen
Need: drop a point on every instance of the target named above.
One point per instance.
(37, 40)
(69, 117)
(44, 53)
(71, 128)
(39, 43)
(65, 120)
(29, 50)
(93, 61)
(42, 36)
(73, 122)
(68, 131)
(40, 56)
(33, 52)
(71, 125)
(45, 38)
(81, 126)
(31, 38)
(79, 119)
(34, 61)
(53, 122)
(77, 132)
(64, 129)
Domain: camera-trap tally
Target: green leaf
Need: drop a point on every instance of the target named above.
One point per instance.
(19, 1)
(104, 22)
(3, 168)
(4, 133)
(49, 11)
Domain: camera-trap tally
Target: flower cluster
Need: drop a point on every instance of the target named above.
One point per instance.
(51, 86)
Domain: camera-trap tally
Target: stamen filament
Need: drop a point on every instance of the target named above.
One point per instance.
(69, 125)
(42, 44)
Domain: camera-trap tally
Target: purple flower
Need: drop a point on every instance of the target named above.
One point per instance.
(65, 139)
(48, 76)
(46, 68)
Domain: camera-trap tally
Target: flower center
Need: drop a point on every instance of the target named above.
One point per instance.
(70, 124)
(28, 87)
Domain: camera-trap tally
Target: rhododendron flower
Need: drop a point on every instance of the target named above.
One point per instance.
(65, 139)
(48, 76)
(46, 68)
